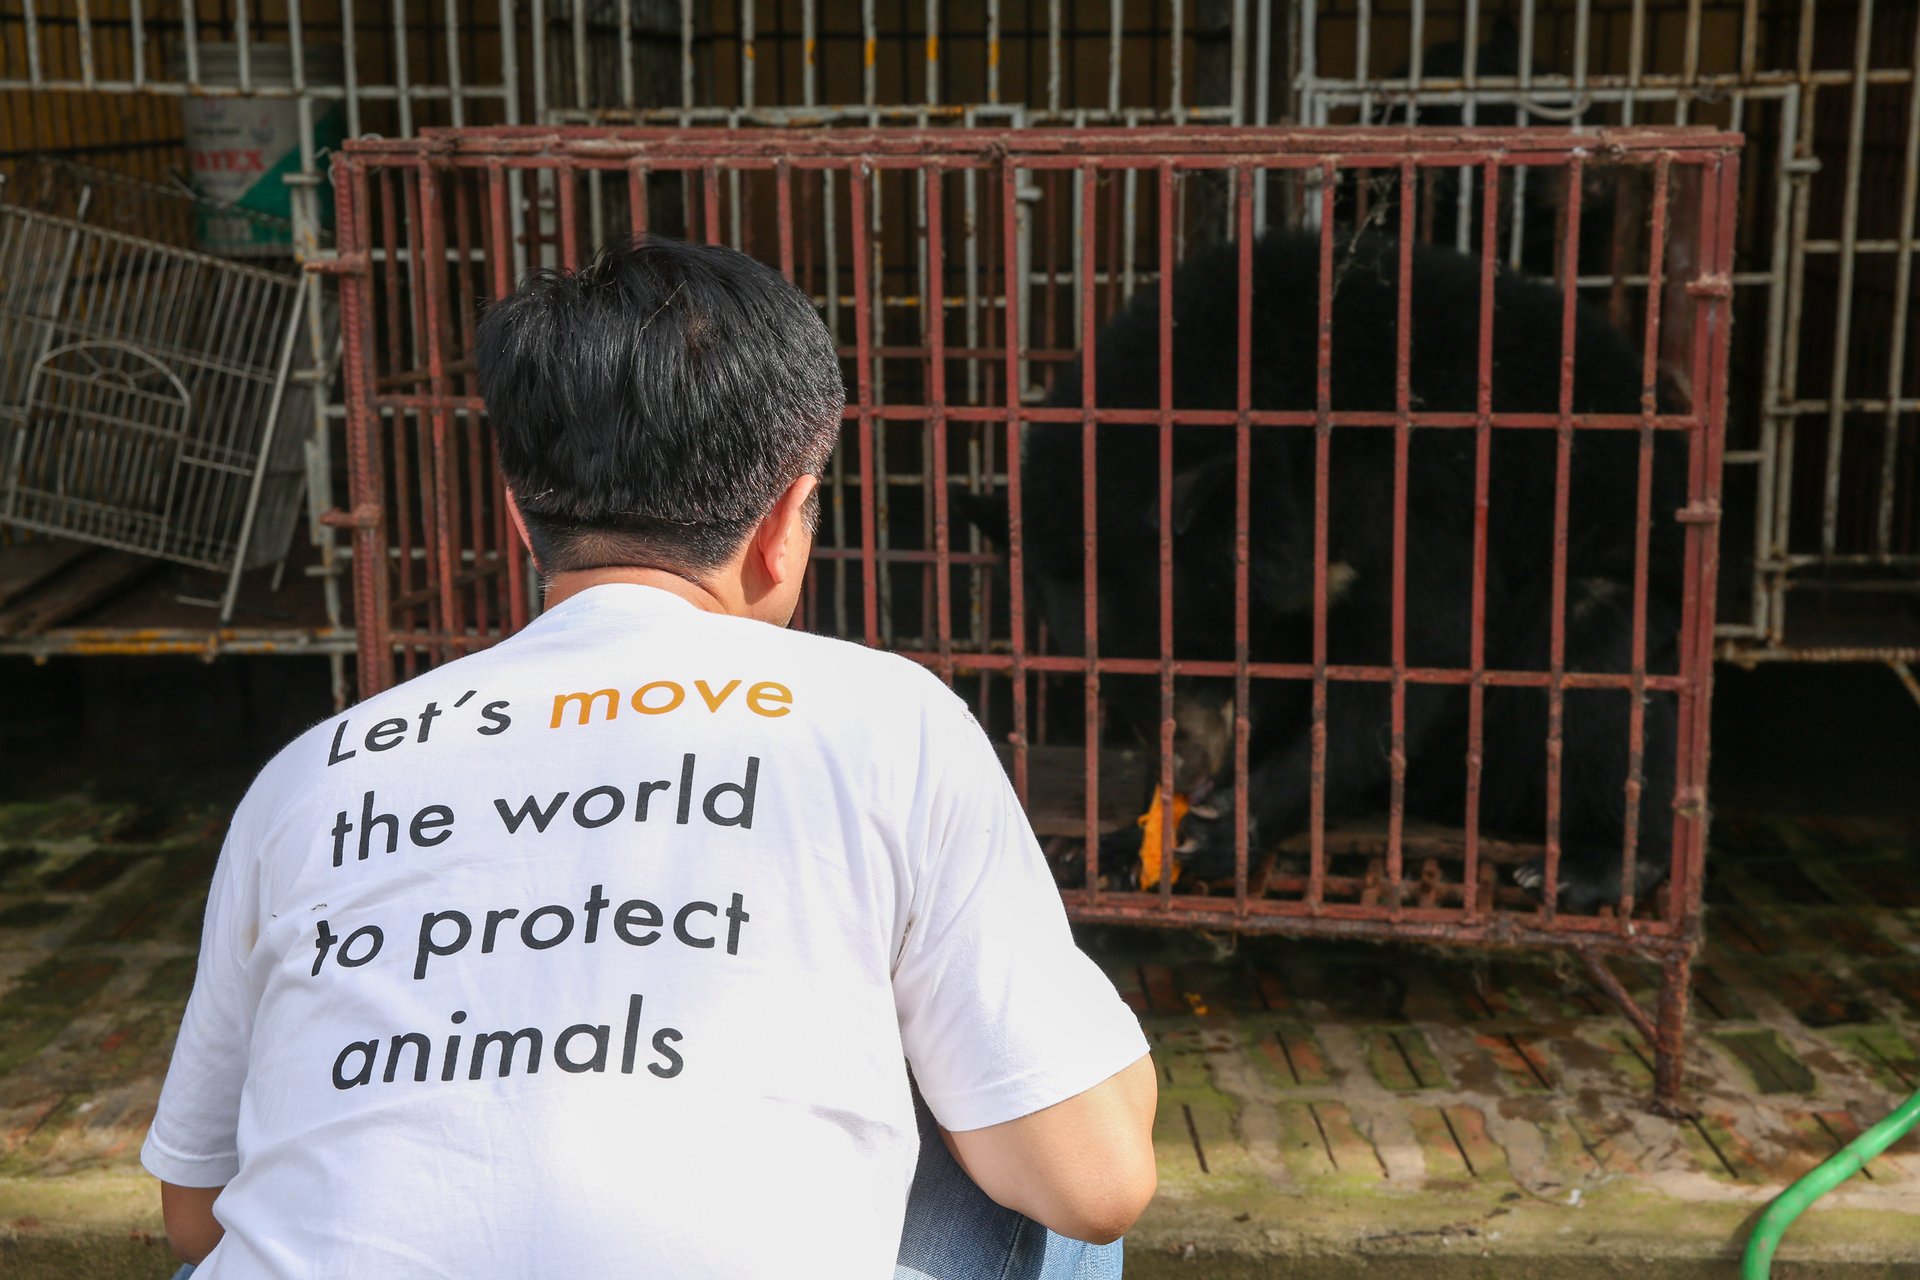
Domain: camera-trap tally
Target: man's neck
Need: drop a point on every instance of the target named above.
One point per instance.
(571, 583)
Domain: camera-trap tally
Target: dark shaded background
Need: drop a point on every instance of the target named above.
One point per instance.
(1787, 738)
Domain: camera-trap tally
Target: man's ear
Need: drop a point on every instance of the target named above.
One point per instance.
(987, 512)
(782, 538)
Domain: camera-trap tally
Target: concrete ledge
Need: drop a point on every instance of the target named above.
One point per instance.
(102, 1224)
(1143, 1264)
(1441, 1237)
(106, 1224)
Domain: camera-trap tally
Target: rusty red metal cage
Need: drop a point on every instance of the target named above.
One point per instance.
(963, 272)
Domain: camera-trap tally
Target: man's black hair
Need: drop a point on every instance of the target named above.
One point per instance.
(652, 406)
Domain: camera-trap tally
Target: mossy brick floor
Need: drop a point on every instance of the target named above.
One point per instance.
(1326, 1110)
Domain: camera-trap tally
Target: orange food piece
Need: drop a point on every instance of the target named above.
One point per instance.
(1150, 838)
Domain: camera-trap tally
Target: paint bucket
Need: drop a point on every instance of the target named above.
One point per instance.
(241, 148)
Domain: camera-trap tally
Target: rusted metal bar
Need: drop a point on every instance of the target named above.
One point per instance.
(1402, 443)
(1242, 527)
(863, 382)
(1376, 419)
(374, 653)
(884, 479)
(396, 438)
(1013, 285)
(1166, 187)
(1342, 920)
(1642, 529)
(1719, 220)
(479, 473)
(1336, 672)
(1322, 466)
(1090, 513)
(431, 303)
(1562, 486)
(1669, 1038)
(1622, 422)
(979, 327)
(1482, 472)
(637, 210)
(1603, 978)
(934, 318)
(710, 203)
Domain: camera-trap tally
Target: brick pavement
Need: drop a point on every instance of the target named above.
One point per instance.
(1430, 1113)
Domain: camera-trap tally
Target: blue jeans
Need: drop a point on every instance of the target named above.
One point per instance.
(953, 1232)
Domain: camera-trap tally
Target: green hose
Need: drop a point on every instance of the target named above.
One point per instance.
(1843, 1164)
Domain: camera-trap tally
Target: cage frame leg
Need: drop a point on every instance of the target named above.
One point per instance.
(1664, 1031)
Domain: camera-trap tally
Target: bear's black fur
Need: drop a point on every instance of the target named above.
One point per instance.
(1439, 544)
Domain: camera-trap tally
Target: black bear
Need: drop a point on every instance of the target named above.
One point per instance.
(1601, 549)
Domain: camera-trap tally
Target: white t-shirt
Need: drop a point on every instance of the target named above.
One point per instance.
(599, 953)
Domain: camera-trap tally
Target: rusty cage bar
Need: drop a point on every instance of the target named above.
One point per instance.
(1821, 543)
(1015, 248)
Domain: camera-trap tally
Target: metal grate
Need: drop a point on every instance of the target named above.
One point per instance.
(141, 387)
(1822, 528)
(943, 391)
(106, 475)
(103, 82)
(1822, 544)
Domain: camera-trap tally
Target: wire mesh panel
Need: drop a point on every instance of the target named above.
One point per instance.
(117, 83)
(68, 68)
(1381, 578)
(107, 475)
(108, 339)
(1821, 527)
(1822, 536)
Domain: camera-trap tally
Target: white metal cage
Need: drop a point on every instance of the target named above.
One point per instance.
(141, 386)
(1821, 533)
(1821, 543)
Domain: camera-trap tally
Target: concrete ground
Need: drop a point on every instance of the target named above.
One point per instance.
(1327, 1110)
(1440, 1114)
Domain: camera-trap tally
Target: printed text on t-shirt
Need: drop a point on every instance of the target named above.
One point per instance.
(722, 792)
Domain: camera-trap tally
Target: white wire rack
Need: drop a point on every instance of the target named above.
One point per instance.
(1821, 552)
(141, 388)
(1821, 545)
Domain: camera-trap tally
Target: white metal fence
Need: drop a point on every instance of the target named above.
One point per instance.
(1822, 528)
(1821, 547)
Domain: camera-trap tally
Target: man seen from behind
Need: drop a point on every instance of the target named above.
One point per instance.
(629, 945)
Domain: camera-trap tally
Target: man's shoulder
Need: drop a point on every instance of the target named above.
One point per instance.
(881, 674)
(283, 779)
